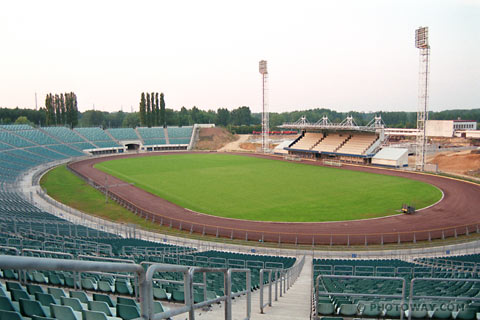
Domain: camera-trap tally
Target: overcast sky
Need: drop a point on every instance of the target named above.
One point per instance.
(344, 55)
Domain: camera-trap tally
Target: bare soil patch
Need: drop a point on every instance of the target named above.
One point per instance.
(214, 138)
(464, 162)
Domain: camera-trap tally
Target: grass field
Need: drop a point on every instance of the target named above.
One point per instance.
(260, 189)
(69, 189)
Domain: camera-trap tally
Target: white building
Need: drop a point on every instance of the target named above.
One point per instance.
(391, 157)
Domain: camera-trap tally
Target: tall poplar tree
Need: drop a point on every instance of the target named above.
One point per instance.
(143, 121)
(163, 118)
(149, 112)
(157, 111)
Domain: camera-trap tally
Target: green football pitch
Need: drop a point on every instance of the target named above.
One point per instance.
(269, 190)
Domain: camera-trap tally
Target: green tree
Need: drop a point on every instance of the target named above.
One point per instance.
(241, 116)
(153, 113)
(223, 117)
(157, 110)
(131, 120)
(149, 112)
(163, 115)
(183, 117)
(142, 113)
(22, 120)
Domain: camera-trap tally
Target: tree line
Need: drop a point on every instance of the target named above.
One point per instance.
(61, 109)
(240, 120)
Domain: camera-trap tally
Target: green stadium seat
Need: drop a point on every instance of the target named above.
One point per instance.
(348, 309)
(10, 315)
(104, 298)
(72, 302)
(57, 293)
(127, 301)
(80, 295)
(45, 299)
(94, 315)
(127, 312)
(100, 306)
(64, 313)
(6, 304)
(160, 293)
(29, 308)
(19, 294)
(33, 288)
(325, 308)
(13, 285)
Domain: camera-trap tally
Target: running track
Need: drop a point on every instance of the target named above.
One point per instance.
(458, 213)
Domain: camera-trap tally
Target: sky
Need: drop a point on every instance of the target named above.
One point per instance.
(339, 54)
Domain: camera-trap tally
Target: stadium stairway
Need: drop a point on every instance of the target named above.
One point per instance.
(294, 304)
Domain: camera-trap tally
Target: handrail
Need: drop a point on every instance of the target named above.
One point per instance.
(48, 252)
(285, 278)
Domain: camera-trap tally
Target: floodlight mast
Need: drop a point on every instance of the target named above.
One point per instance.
(265, 117)
(421, 42)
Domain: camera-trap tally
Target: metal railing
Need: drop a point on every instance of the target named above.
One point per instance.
(284, 278)
(145, 281)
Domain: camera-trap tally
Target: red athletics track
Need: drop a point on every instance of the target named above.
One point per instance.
(458, 213)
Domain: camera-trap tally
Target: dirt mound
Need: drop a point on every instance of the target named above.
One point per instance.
(458, 162)
(213, 138)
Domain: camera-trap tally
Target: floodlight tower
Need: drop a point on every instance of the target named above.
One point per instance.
(421, 42)
(265, 118)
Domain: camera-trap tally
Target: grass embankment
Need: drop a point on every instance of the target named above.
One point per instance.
(270, 190)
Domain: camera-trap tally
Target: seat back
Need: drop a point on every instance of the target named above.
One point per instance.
(62, 312)
(93, 315)
(13, 285)
(31, 308)
(72, 302)
(57, 293)
(104, 286)
(19, 294)
(127, 312)
(100, 306)
(104, 298)
(33, 288)
(45, 298)
(10, 315)
(127, 301)
(6, 304)
(80, 295)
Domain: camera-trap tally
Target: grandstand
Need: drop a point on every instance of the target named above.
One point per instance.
(345, 141)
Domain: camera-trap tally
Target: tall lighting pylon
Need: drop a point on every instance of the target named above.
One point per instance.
(421, 42)
(265, 118)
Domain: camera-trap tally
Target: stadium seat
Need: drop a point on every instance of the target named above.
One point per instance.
(6, 304)
(57, 293)
(104, 298)
(10, 315)
(80, 295)
(29, 308)
(72, 302)
(45, 299)
(325, 308)
(64, 313)
(101, 306)
(127, 312)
